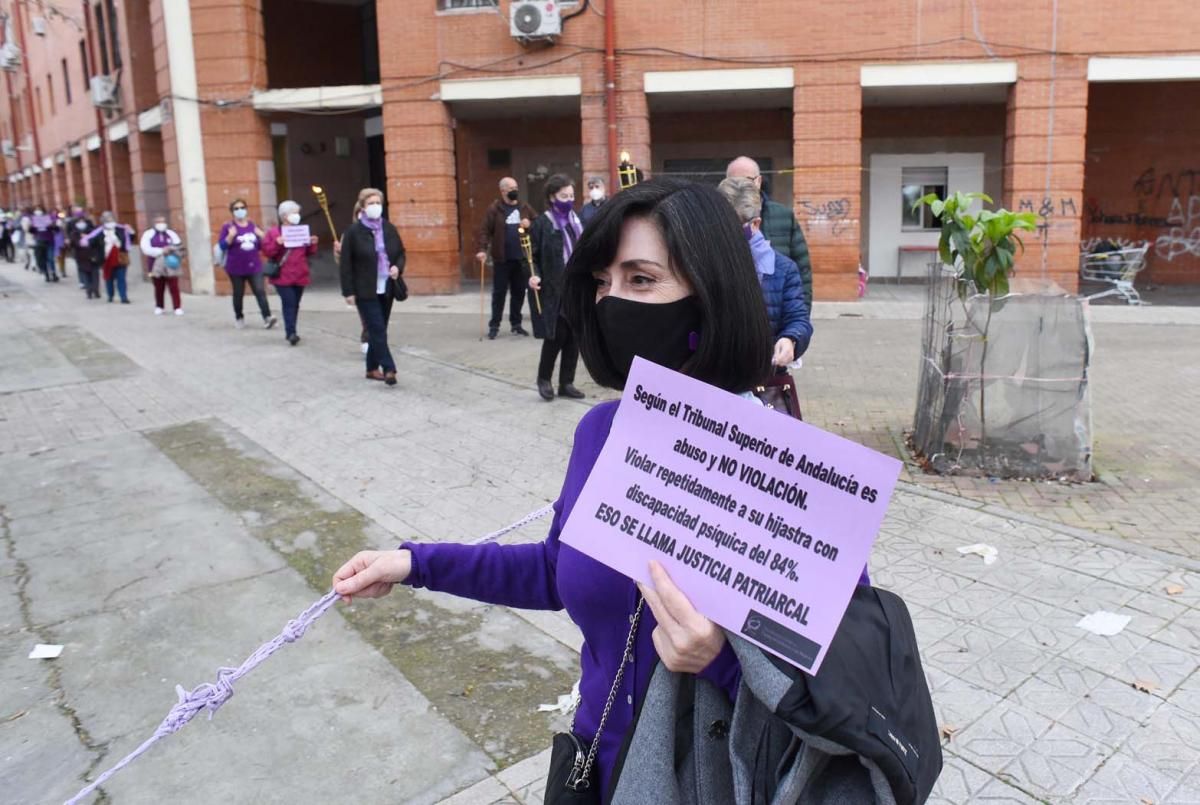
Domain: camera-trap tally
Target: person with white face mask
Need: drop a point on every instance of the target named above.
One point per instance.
(241, 241)
(596, 197)
(161, 246)
(78, 247)
(110, 254)
(370, 265)
(293, 274)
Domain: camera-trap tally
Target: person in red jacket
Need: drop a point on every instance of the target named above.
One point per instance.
(293, 273)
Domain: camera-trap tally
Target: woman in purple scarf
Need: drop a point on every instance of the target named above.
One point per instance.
(371, 260)
(553, 237)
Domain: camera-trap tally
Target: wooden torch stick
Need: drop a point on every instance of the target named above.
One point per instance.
(482, 265)
(527, 246)
(324, 202)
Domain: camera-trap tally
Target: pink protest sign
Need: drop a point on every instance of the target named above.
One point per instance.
(40, 221)
(294, 236)
(763, 521)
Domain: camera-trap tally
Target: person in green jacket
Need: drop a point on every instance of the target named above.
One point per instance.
(779, 224)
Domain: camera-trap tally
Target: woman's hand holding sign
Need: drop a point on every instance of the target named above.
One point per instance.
(686, 641)
(371, 574)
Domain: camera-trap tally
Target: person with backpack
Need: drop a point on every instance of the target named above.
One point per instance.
(240, 242)
(161, 247)
(663, 273)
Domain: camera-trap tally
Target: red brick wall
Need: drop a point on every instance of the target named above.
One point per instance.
(1143, 173)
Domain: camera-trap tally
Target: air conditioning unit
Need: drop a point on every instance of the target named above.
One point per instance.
(534, 19)
(7, 148)
(10, 57)
(38, 24)
(104, 90)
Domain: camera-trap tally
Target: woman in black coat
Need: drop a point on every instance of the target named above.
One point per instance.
(371, 261)
(553, 236)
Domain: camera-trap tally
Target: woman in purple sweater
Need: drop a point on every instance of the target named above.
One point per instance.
(241, 241)
(662, 271)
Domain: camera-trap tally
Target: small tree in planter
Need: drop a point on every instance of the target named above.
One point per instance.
(982, 250)
(1036, 363)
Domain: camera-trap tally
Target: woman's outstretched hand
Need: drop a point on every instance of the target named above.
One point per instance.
(686, 641)
(371, 574)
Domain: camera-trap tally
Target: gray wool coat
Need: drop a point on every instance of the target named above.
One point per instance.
(717, 765)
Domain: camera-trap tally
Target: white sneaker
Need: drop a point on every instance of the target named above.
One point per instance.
(365, 347)
(178, 311)
(158, 311)
(240, 324)
(269, 322)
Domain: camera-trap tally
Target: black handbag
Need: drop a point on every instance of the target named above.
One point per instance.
(779, 393)
(271, 268)
(399, 289)
(573, 779)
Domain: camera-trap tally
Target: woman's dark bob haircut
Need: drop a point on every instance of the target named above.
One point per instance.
(238, 201)
(555, 183)
(707, 247)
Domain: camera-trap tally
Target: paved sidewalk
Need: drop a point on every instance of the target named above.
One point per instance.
(201, 483)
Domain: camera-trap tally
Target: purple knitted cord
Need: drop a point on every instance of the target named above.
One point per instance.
(211, 696)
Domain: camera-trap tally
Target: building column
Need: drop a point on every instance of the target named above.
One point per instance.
(75, 179)
(593, 124)
(147, 177)
(421, 192)
(633, 120)
(93, 180)
(827, 183)
(58, 178)
(1044, 150)
(121, 182)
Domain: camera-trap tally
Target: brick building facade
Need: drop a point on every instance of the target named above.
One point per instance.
(1087, 116)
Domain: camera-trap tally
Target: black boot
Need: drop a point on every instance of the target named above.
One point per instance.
(569, 390)
(545, 390)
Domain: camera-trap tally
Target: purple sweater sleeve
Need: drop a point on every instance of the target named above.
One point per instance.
(524, 576)
(520, 576)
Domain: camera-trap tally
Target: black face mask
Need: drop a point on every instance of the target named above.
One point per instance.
(512, 195)
(664, 333)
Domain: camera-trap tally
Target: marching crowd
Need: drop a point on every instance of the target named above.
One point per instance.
(529, 252)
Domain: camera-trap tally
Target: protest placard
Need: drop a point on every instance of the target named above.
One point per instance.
(40, 221)
(764, 522)
(295, 237)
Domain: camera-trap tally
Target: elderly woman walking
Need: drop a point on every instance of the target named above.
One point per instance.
(293, 274)
(240, 241)
(160, 246)
(782, 286)
(371, 261)
(110, 254)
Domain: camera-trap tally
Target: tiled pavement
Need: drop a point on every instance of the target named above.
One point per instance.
(1036, 708)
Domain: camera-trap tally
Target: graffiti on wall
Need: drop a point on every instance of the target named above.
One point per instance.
(1182, 188)
(834, 213)
(1183, 237)
(1046, 210)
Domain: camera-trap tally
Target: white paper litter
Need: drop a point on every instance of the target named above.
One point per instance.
(989, 553)
(565, 704)
(1105, 624)
(45, 651)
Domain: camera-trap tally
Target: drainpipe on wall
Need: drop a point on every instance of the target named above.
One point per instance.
(610, 90)
(37, 148)
(100, 132)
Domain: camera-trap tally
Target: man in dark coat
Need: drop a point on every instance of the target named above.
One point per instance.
(499, 231)
(779, 225)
